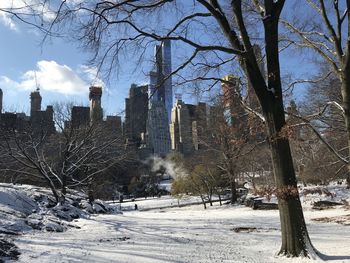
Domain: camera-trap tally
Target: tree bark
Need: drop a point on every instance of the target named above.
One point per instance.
(203, 202)
(233, 192)
(54, 192)
(210, 197)
(345, 91)
(295, 238)
(51, 186)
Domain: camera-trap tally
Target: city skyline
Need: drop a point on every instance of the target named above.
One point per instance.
(225, 104)
(59, 68)
(63, 73)
(56, 68)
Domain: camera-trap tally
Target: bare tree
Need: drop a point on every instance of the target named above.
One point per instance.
(32, 13)
(107, 28)
(201, 177)
(320, 153)
(228, 136)
(71, 158)
(327, 34)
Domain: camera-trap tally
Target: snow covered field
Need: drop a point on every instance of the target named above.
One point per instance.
(162, 202)
(160, 232)
(187, 234)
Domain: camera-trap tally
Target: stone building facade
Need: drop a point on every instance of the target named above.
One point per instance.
(188, 127)
(181, 129)
(234, 113)
(96, 112)
(113, 124)
(80, 116)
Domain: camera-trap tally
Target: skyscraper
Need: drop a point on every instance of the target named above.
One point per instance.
(160, 88)
(35, 101)
(160, 94)
(181, 129)
(168, 89)
(136, 113)
(158, 129)
(40, 121)
(114, 125)
(96, 112)
(234, 113)
(80, 116)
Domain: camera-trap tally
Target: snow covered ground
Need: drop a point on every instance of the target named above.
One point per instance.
(187, 234)
(24, 208)
(161, 202)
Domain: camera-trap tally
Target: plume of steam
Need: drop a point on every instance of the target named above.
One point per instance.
(171, 168)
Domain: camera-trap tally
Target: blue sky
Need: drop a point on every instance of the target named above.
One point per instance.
(60, 68)
(62, 73)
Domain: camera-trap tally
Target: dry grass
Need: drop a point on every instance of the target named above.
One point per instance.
(343, 220)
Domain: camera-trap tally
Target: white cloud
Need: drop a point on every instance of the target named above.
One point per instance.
(23, 7)
(91, 74)
(53, 77)
(7, 82)
(7, 21)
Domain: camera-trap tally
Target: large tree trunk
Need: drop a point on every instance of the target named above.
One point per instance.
(233, 192)
(345, 92)
(54, 191)
(295, 238)
(232, 176)
(345, 88)
(51, 186)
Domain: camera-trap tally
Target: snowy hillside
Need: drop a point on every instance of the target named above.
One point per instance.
(24, 208)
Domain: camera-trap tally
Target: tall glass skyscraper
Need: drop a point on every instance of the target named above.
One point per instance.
(160, 100)
(168, 89)
(160, 88)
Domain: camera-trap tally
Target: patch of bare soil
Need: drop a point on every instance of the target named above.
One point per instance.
(321, 205)
(251, 229)
(343, 220)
